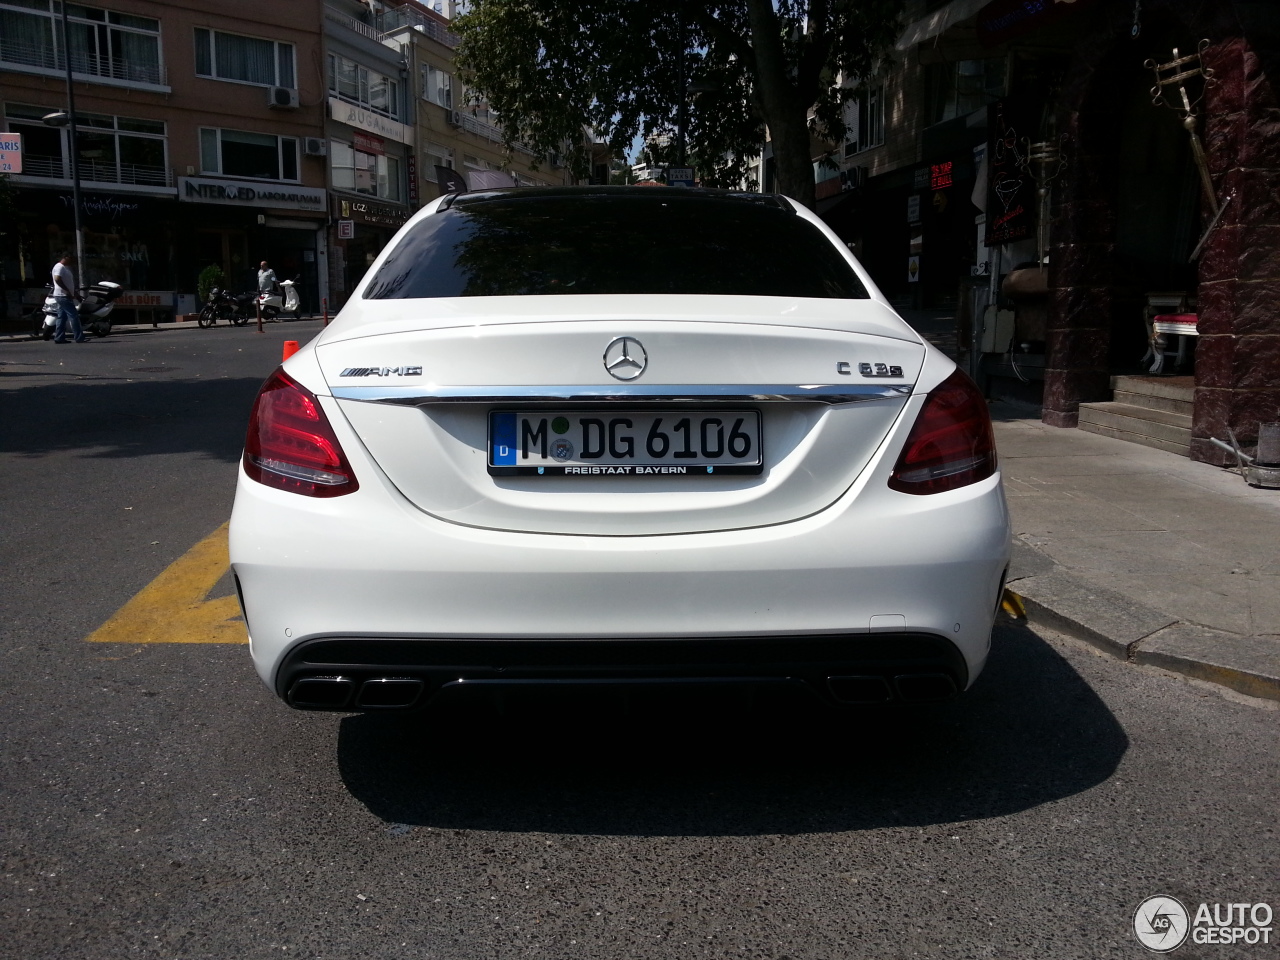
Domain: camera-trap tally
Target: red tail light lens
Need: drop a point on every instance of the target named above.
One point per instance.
(291, 445)
(951, 444)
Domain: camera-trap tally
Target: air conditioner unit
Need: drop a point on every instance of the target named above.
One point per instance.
(315, 146)
(282, 98)
(852, 178)
(455, 118)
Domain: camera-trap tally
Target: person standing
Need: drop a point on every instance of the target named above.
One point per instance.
(266, 278)
(66, 297)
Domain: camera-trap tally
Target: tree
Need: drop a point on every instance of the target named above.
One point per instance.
(549, 68)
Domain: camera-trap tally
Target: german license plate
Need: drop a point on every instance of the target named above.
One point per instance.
(624, 442)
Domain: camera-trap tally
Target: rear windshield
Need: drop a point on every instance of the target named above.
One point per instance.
(530, 245)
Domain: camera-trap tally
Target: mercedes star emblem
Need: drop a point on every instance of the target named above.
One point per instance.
(625, 358)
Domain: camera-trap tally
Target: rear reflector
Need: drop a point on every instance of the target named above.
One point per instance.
(951, 444)
(291, 445)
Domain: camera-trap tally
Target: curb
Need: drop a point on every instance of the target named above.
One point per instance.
(1136, 634)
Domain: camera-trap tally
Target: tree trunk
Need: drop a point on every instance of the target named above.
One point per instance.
(780, 104)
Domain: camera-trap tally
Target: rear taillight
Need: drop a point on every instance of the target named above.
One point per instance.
(951, 444)
(290, 444)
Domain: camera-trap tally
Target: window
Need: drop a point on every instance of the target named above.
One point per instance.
(374, 174)
(350, 81)
(111, 149)
(437, 86)
(239, 153)
(118, 46)
(484, 246)
(228, 56)
(864, 120)
(435, 156)
(958, 89)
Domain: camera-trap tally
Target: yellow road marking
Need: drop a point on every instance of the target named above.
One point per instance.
(172, 608)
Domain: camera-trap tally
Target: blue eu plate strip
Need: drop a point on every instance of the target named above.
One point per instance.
(502, 439)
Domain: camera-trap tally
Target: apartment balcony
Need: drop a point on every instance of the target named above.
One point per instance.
(398, 18)
(54, 169)
(48, 60)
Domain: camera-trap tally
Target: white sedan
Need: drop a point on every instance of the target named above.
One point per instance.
(617, 435)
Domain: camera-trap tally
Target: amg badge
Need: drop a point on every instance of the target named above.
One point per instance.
(381, 372)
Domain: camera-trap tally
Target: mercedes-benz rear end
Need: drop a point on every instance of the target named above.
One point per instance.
(618, 436)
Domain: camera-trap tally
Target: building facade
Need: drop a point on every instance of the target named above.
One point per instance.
(369, 132)
(192, 124)
(1028, 178)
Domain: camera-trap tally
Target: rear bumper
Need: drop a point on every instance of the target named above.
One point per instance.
(369, 571)
(379, 673)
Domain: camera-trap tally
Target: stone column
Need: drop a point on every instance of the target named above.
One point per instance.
(1238, 352)
(1081, 264)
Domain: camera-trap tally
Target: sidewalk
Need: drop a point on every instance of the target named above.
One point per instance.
(1149, 556)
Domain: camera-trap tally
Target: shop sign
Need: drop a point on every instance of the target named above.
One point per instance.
(362, 119)
(940, 175)
(113, 208)
(1011, 191)
(367, 143)
(346, 229)
(250, 193)
(913, 208)
(10, 153)
(411, 164)
(146, 298)
(365, 211)
(1003, 20)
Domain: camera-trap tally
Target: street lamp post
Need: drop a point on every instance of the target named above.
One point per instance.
(69, 120)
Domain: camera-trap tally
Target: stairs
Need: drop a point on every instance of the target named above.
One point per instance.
(1152, 411)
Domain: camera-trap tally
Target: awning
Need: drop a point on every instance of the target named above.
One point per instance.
(938, 22)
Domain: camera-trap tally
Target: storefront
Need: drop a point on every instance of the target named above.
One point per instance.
(128, 239)
(361, 229)
(236, 224)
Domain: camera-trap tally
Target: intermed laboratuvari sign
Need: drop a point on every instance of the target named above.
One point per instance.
(251, 193)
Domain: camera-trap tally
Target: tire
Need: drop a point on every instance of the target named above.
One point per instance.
(239, 321)
(102, 328)
(208, 317)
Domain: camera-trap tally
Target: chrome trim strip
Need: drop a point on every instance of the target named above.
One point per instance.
(829, 393)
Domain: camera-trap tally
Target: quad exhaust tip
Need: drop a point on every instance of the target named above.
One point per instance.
(399, 693)
(338, 693)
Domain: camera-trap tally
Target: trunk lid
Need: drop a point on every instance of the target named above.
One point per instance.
(828, 378)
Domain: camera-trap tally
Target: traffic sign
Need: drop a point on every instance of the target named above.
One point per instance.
(680, 176)
(10, 153)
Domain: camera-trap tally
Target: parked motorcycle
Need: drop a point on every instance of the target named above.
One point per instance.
(95, 306)
(275, 304)
(224, 306)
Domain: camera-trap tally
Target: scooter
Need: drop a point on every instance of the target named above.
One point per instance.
(274, 304)
(95, 308)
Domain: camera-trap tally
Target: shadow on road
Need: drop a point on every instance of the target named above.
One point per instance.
(1030, 731)
(111, 417)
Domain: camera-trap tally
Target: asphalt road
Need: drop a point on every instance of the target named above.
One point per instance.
(156, 800)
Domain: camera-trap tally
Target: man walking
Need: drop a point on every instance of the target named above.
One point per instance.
(65, 296)
(266, 278)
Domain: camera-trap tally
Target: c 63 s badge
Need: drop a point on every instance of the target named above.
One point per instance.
(381, 372)
(874, 370)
